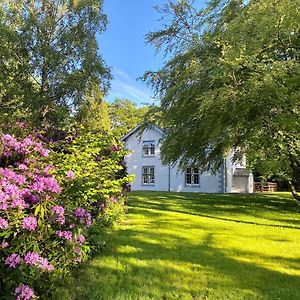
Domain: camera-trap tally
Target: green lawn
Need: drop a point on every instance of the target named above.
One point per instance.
(198, 246)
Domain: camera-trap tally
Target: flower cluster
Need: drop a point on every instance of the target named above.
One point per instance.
(80, 239)
(83, 216)
(34, 259)
(24, 147)
(13, 260)
(114, 148)
(48, 184)
(3, 223)
(78, 253)
(65, 234)
(21, 188)
(4, 244)
(113, 199)
(59, 214)
(29, 223)
(31, 259)
(24, 292)
(71, 175)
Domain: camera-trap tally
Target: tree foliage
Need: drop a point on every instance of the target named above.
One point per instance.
(232, 80)
(125, 115)
(94, 112)
(50, 55)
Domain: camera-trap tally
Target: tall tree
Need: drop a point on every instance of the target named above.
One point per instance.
(232, 81)
(94, 112)
(57, 50)
(14, 83)
(125, 115)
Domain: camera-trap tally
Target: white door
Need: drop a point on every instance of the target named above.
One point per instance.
(239, 184)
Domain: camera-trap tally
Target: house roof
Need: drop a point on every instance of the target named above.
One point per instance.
(138, 127)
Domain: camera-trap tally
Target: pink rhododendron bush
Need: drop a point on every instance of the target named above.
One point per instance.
(50, 204)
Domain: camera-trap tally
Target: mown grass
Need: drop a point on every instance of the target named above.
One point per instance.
(198, 246)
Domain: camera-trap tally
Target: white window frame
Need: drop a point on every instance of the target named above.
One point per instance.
(194, 173)
(149, 175)
(149, 146)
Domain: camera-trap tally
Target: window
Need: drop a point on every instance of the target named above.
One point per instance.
(192, 176)
(148, 175)
(148, 148)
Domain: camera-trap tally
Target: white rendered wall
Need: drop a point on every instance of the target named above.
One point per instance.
(208, 183)
(175, 181)
(135, 161)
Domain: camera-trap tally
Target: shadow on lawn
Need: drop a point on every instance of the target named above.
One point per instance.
(268, 207)
(169, 266)
(237, 203)
(296, 222)
(229, 275)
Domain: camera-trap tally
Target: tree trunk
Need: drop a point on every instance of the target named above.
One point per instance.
(294, 183)
(295, 194)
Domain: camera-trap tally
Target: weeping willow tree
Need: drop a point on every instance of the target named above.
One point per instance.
(231, 81)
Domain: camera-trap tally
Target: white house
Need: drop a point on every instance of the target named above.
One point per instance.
(150, 174)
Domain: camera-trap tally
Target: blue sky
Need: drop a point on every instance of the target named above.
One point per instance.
(123, 47)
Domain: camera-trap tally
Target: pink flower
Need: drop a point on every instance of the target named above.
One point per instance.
(65, 234)
(29, 223)
(22, 167)
(42, 183)
(18, 203)
(11, 175)
(48, 169)
(9, 143)
(3, 224)
(13, 260)
(30, 198)
(59, 211)
(80, 239)
(88, 220)
(78, 253)
(84, 216)
(3, 206)
(31, 258)
(45, 265)
(42, 151)
(4, 244)
(79, 212)
(21, 124)
(34, 259)
(24, 292)
(114, 148)
(71, 175)
(113, 199)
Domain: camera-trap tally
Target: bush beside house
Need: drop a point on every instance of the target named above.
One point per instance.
(54, 196)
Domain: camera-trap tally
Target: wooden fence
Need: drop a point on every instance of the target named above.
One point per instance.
(265, 187)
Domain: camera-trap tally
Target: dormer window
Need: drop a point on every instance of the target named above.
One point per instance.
(148, 148)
